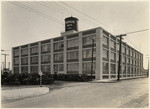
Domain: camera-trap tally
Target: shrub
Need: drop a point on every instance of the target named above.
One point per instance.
(71, 77)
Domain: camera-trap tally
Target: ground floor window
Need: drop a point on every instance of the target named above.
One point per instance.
(73, 67)
(34, 69)
(58, 67)
(45, 68)
(16, 69)
(24, 69)
(105, 77)
(124, 69)
(113, 68)
(86, 67)
(105, 68)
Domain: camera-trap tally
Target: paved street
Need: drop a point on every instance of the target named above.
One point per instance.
(127, 93)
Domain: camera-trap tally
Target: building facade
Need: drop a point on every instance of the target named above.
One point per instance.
(71, 53)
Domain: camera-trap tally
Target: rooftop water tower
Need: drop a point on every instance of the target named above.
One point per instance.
(71, 23)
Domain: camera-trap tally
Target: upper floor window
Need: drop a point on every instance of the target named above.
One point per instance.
(58, 57)
(113, 56)
(123, 49)
(34, 50)
(24, 60)
(105, 40)
(73, 43)
(16, 61)
(73, 55)
(58, 45)
(45, 47)
(45, 58)
(16, 53)
(88, 40)
(34, 59)
(112, 44)
(105, 53)
(24, 51)
(87, 53)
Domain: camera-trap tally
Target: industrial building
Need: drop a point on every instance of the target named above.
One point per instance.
(72, 53)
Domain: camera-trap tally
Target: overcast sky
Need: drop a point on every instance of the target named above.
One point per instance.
(21, 26)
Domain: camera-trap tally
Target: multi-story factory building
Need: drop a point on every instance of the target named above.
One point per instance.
(71, 53)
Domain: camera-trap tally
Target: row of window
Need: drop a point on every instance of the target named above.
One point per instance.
(124, 50)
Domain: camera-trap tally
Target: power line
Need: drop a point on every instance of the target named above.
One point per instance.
(69, 12)
(44, 4)
(52, 2)
(137, 31)
(84, 14)
(35, 11)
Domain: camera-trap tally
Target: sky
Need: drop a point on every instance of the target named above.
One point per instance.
(26, 22)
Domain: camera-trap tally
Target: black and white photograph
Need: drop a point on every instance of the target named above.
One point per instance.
(75, 54)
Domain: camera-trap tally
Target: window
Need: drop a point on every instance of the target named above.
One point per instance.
(87, 67)
(113, 56)
(24, 51)
(73, 43)
(128, 60)
(131, 53)
(56, 67)
(128, 51)
(58, 45)
(113, 68)
(34, 59)
(87, 53)
(88, 40)
(45, 68)
(24, 60)
(16, 53)
(34, 69)
(128, 70)
(132, 62)
(73, 55)
(105, 68)
(45, 58)
(117, 46)
(16, 69)
(34, 50)
(73, 67)
(61, 67)
(105, 53)
(16, 61)
(24, 69)
(45, 47)
(123, 49)
(124, 59)
(124, 69)
(105, 40)
(113, 44)
(58, 57)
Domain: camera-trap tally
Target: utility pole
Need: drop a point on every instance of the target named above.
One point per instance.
(148, 67)
(120, 52)
(92, 59)
(5, 58)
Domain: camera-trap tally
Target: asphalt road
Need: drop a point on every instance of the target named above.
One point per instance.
(127, 93)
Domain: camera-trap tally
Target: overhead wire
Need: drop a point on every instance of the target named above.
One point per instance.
(44, 4)
(36, 12)
(69, 12)
(91, 18)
